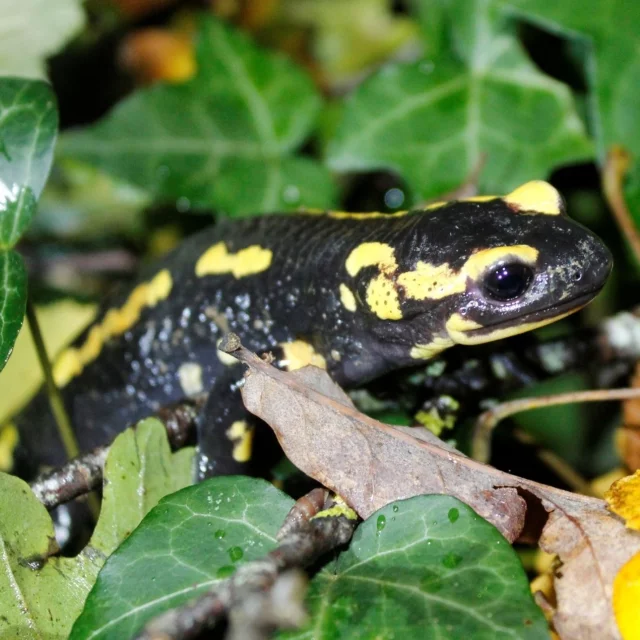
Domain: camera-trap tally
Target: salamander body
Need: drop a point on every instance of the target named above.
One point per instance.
(359, 294)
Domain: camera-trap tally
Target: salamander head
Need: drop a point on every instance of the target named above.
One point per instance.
(474, 271)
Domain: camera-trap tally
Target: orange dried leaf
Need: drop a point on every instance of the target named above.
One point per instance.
(158, 54)
(624, 499)
(626, 599)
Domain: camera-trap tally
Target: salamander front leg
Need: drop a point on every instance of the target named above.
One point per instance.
(228, 435)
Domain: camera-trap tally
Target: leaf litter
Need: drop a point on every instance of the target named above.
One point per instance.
(371, 464)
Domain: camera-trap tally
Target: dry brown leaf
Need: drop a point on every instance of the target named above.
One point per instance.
(371, 464)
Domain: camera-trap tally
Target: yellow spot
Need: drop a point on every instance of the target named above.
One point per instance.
(298, 354)
(370, 254)
(537, 196)
(346, 215)
(457, 327)
(427, 351)
(217, 260)
(431, 281)
(8, 440)
(623, 498)
(383, 299)
(241, 434)
(190, 376)
(347, 298)
(226, 358)
(626, 596)
(73, 360)
(340, 508)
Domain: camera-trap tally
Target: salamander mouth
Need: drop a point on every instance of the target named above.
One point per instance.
(541, 316)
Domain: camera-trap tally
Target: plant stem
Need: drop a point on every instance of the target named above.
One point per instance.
(65, 430)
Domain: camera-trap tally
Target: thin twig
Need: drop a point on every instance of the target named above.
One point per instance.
(85, 472)
(254, 597)
(76, 478)
(486, 423)
(615, 170)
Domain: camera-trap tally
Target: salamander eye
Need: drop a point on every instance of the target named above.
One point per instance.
(508, 281)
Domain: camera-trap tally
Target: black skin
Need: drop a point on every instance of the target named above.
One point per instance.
(297, 297)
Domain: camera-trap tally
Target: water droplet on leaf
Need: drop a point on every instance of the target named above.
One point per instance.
(236, 553)
(225, 571)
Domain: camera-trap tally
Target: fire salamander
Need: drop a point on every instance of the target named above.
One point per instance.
(357, 294)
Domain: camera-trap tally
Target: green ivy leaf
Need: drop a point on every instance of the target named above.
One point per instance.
(28, 128)
(427, 567)
(225, 139)
(140, 470)
(607, 31)
(434, 121)
(13, 299)
(186, 544)
(41, 595)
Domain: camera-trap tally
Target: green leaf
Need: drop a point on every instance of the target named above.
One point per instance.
(32, 30)
(28, 128)
(427, 567)
(607, 31)
(186, 544)
(13, 299)
(349, 38)
(84, 202)
(224, 139)
(140, 470)
(41, 595)
(434, 121)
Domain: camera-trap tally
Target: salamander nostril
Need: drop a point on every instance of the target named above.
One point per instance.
(577, 276)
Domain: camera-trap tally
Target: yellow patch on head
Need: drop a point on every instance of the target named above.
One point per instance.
(383, 299)
(73, 360)
(241, 434)
(433, 348)
(9, 438)
(298, 354)
(479, 262)
(431, 282)
(190, 376)
(370, 254)
(217, 261)
(347, 298)
(457, 327)
(536, 196)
